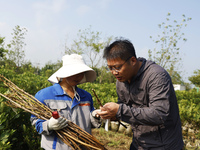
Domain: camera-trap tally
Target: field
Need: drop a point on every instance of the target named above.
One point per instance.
(112, 140)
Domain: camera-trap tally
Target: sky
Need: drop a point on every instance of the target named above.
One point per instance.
(53, 23)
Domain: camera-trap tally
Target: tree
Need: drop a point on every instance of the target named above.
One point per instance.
(176, 78)
(195, 79)
(16, 47)
(104, 76)
(3, 53)
(91, 44)
(167, 54)
(2, 49)
(50, 68)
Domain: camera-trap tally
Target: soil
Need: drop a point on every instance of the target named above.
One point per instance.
(112, 140)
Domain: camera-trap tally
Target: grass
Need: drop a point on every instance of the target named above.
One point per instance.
(112, 140)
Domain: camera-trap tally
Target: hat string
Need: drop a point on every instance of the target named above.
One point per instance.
(76, 95)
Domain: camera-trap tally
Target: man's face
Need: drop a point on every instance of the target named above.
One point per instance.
(123, 70)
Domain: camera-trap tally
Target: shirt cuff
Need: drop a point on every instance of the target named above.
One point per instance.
(118, 115)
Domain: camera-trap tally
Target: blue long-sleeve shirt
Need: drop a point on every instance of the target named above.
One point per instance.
(79, 112)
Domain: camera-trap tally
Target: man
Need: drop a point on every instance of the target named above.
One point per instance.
(146, 99)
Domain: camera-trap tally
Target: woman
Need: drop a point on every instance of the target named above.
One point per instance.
(71, 102)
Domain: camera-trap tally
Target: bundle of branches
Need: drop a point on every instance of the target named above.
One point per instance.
(72, 135)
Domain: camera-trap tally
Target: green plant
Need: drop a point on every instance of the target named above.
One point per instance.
(106, 92)
(189, 106)
(5, 131)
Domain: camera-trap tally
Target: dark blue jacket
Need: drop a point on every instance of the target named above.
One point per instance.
(149, 104)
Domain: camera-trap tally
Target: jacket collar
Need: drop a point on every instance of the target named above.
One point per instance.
(59, 91)
(144, 66)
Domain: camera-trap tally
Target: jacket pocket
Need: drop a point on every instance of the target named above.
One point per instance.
(61, 106)
(148, 135)
(56, 105)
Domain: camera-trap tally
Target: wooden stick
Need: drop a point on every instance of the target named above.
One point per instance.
(73, 135)
(102, 106)
(97, 98)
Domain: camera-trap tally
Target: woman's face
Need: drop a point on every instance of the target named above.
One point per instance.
(75, 79)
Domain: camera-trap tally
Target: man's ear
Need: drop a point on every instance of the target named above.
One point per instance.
(133, 60)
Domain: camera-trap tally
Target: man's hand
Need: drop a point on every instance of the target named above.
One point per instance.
(57, 124)
(109, 110)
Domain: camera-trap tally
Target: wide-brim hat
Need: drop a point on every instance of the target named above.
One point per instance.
(73, 64)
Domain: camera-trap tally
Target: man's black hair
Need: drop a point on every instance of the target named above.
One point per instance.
(121, 48)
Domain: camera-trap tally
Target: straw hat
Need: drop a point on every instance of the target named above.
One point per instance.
(73, 64)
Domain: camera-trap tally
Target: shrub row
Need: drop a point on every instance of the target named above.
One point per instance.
(188, 101)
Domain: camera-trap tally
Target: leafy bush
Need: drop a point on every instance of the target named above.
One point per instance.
(27, 81)
(106, 92)
(188, 101)
(16, 131)
(5, 131)
(189, 106)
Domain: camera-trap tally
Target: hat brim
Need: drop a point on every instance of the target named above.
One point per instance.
(67, 71)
